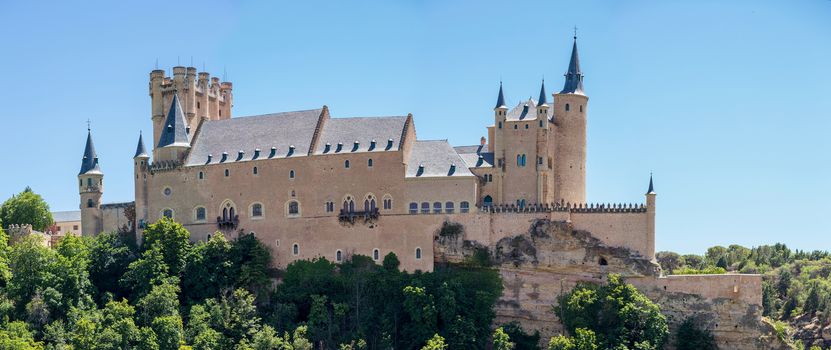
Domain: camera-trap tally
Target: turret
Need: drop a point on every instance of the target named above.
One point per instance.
(570, 110)
(650, 221)
(90, 189)
(173, 142)
(141, 162)
(542, 102)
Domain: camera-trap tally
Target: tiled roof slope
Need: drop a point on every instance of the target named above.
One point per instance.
(64, 216)
(363, 130)
(435, 159)
(476, 156)
(526, 110)
(280, 130)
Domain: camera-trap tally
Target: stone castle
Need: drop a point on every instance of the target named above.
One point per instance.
(312, 185)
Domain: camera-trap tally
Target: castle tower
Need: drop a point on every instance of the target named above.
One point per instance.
(500, 112)
(570, 109)
(174, 136)
(141, 161)
(650, 220)
(542, 163)
(90, 188)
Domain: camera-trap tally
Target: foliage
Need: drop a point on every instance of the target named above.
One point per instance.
(616, 312)
(522, 340)
(690, 336)
(26, 208)
(501, 340)
(710, 270)
(435, 343)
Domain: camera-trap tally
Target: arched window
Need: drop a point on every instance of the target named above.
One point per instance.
(413, 208)
(90, 203)
(464, 207)
(488, 201)
(338, 256)
(448, 207)
(231, 213)
(387, 202)
(348, 204)
(291, 174)
(224, 214)
(369, 203)
(228, 210)
(256, 210)
(418, 253)
(168, 213)
(425, 207)
(201, 175)
(500, 125)
(526, 126)
(567, 107)
(515, 127)
(437, 207)
(523, 160)
(293, 208)
(518, 160)
(376, 254)
(201, 213)
(369, 162)
(346, 164)
(227, 172)
(255, 170)
(540, 123)
(295, 249)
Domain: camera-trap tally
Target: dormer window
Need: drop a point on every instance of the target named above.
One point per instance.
(327, 147)
(372, 145)
(273, 152)
(339, 147)
(389, 144)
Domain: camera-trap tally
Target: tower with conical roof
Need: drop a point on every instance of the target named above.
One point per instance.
(141, 162)
(650, 220)
(90, 189)
(570, 110)
(174, 135)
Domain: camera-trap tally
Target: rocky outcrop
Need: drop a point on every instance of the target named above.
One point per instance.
(549, 258)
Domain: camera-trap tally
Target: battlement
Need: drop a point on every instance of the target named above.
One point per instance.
(188, 78)
(566, 208)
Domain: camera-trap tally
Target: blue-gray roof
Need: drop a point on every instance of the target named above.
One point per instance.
(525, 110)
(346, 131)
(476, 156)
(64, 216)
(574, 77)
(247, 134)
(174, 130)
(500, 100)
(651, 189)
(89, 164)
(435, 159)
(543, 100)
(140, 150)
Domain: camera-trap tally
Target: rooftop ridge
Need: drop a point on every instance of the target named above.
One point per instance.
(566, 207)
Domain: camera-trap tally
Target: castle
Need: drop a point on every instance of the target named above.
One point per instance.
(311, 185)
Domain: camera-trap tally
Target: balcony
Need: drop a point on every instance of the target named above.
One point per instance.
(227, 223)
(352, 216)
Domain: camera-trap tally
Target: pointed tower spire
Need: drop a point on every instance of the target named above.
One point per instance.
(141, 152)
(651, 189)
(174, 131)
(89, 164)
(543, 100)
(574, 77)
(500, 101)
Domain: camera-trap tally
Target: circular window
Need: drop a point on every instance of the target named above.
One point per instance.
(167, 191)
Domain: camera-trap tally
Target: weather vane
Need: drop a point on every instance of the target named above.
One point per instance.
(575, 32)
(88, 125)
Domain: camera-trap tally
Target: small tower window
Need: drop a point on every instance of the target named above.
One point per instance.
(227, 172)
(201, 175)
(567, 107)
(89, 182)
(500, 125)
(516, 126)
(295, 249)
(540, 123)
(581, 108)
(90, 203)
(369, 163)
(293, 208)
(198, 105)
(338, 256)
(418, 253)
(526, 126)
(291, 174)
(255, 171)
(376, 254)
(346, 164)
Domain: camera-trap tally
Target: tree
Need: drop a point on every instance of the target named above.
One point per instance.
(616, 312)
(162, 301)
(722, 262)
(31, 266)
(16, 336)
(421, 309)
(208, 270)
(690, 337)
(172, 239)
(110, 255)
(522, 340)
(501, 340)
(168, 331)
(584, 339)
(26, 208)
(251, 262)
(435, 343)
(148, 271)
(669, 261)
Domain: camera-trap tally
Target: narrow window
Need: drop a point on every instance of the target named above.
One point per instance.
(448, 207)
(413, 208)
(418, 253)
(540, 123)
(255, 171)
(518, 160)
(523, 160)
(425, 207)
(464, 207)
(198, 105)
(526, 126)
(200, 214)
(516, 126)
(227, 173)
(208, 238)
(295, 249)
(369, 162)
(539, 160)
(346, 164)
(376, 254)
(89, 182)
(581, 108)
(437, 207)
(338, 256)
(294, 208)
(291, 174)
(80, 182)
(567, 107)
(500, 125)
(257, 210)
(201, 175)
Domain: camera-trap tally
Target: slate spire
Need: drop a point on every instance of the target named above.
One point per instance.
(574, 77)
(89, 164)
(543, 100)
(174, 131)
(500, 101)
(140, 150)
(651, 189)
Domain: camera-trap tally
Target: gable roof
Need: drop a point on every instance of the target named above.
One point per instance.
(278, 130)
(347, 131)
(435, 158)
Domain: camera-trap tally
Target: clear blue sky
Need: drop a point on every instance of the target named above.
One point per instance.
(727, 102)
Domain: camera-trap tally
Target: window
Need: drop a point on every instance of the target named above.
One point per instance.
(516, 126)
(500, 125)
(581, 108)
(523, 160)
(255, 171)
(80, 182)
(198, 105)
(89, 182)
(201, 213)
(348, 204)
(293, 208)
(329, 207)
(227, 173)
(256, 210)
(201, 175)
(603, 262)
(413, 208)
(539, 160)
(346, 164)
(74, 227)
(167, 191)
(369, 203)
(526, 126)
(464, 207)
(425, 207)
(295, 249)
(540, 123)
(518, 160)
(291, 174)
(208, 237)
(488, 201)
(369, 163)
(338, 256)
(437, 207)
(376, 254)
(168, 213)
(567, 107)
(90, 203)
(448, 207)
(490, 177)
(228, 211)
(387, 202)
(418, 253)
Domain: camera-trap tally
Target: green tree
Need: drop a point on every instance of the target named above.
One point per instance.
(31, 270)
(208, 270)
(722, 262)
(26, 208)
(173, 240)
(162, 301)
(435, 343)
(16, 336)
(691, 337)
(522, 340)
(421, 309)
(251, 263)
(110, 255)
(168, 331)
(501, 340)
(669, 261)
(143, 274)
